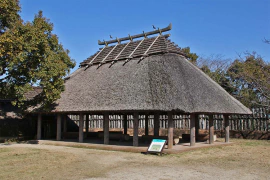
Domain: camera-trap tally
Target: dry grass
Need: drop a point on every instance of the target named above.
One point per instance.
(244, 154)
(245, 159)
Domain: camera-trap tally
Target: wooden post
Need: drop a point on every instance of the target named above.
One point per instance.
(146, 129)
(125, 124)
(65, 123)
(227, 128)
(87, 124)
(170, 130)
(81, 128)
(192, 130)
(39, 122)
(106, 126)
(197, 125)
(58, 132)
(211, 129)
(135, 129)
(156, 124)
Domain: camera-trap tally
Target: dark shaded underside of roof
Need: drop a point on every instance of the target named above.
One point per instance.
(164, 82)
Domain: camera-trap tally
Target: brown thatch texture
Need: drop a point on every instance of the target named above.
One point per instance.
(159, 82)
(33, 93)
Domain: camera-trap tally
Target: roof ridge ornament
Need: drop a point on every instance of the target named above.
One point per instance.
(158, 31)
(105, 43)
(130, 38)
(145, 36)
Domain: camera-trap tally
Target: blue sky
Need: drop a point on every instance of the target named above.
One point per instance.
(208, 27)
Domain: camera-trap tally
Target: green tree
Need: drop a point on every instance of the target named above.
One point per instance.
(30, 55)
(9, 10)
(251, 80)
(192, 57)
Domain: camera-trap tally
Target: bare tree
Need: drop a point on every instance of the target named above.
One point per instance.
(267, 41)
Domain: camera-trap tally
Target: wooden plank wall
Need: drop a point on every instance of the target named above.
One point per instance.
(259, 120)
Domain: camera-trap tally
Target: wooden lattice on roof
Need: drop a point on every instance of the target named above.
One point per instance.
(140, 48)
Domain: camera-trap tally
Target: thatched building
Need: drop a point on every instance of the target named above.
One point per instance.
(149, 76)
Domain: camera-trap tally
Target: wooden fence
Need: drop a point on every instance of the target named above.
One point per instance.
(259, 120)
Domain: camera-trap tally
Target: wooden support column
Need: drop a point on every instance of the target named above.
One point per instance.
(39, 122)
(81, 128)
(197, 125)
(125, 124)
(211, 129)
(58, 131)
(65, 123)
(87, 124)
(170, 130)
(106, 128)
(192, 130)
(156, 124)
(146, 129)
(135, 129)
(227, 128)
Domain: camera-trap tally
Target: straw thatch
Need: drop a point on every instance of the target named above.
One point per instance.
(163, 82)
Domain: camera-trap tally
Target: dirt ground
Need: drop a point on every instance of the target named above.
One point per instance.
(244, 159)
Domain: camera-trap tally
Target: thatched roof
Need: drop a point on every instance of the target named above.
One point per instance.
(162, 81)
(8, 110)
(118, 52)
(33, 93)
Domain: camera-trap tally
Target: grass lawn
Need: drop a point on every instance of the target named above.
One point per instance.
(244, 159)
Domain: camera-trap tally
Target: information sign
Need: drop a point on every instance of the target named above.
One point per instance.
(156, 146)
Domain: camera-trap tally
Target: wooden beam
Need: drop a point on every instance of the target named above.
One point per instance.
(39, 122)
(130, 55)
(159, 31)
(81, 128)
(170, 130)
(211, 129)
(227, 128)
(146, 129)
(192, 130)
(125, 124)
(156, 124)
(135, 129)
(106, 128)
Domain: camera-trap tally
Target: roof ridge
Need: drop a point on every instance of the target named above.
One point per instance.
(140, 48)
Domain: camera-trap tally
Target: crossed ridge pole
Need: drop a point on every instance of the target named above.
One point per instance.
(91, 62)
(115, 59)
(145, 53)
(144, 35)
(158, 31)
(130, 56)
(102, 62)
